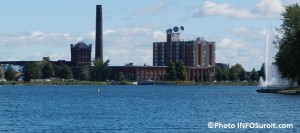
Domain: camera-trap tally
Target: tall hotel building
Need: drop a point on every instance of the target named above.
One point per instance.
(195, 53)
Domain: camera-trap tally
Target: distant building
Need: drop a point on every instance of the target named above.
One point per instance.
(197, 55)
(81, 54)
(46, 58)
(158, 73)
(139, 73)
(222, 66)
(197, 52)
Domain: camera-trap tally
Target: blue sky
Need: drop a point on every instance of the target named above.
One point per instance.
(32, 29)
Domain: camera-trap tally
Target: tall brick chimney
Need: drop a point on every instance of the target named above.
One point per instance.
(99, 33)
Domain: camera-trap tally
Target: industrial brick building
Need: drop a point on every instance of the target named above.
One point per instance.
(139, 73)
(80, 54)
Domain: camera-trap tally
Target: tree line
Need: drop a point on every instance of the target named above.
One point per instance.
(98, 71)
(46, 70)
(176, 72)
(238, 73)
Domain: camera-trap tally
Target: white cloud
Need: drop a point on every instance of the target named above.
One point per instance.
(227, 43)
(231, 51)
(37, 44)
(269, 8)
(132, 44)
(91, 35)
(240, 30)
(159, 36)
(263, 9)
(36, 38)
(252, 34)
(214, 9)
(154, 8)
(58, 56)
(294, 1)
(107, 32)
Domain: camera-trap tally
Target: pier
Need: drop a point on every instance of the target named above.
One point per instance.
(278, 90)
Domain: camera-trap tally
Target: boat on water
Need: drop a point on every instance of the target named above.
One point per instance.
(152, 82)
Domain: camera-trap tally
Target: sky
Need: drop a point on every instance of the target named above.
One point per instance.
(32, 29)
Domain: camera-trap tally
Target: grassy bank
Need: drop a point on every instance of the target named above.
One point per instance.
(216, 83)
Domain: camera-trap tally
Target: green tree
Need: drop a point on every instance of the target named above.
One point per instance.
(48, 71)
(287, 58)
(237, 72)
(85, 73)
(232, 75)
(225, 75)
(99, 70)
(32, 71)
(254, 75)
(180, 70)
(242, 75)
(66, 72)
(171, 72)
(10, 74)
(218, 74)
(121, 76)
(57, 70)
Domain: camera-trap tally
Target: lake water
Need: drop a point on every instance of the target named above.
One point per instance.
(142, 109)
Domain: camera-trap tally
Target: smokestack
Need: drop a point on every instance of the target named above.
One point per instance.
(99, 33)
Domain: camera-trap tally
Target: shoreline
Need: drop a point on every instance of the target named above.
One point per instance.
(180, 83)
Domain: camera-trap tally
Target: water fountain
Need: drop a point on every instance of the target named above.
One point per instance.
(272, 75)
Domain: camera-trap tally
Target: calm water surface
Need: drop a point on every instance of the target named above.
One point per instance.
(141, 108)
